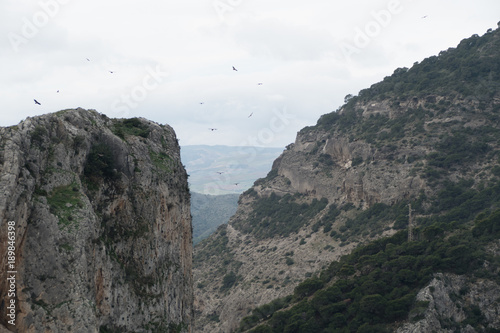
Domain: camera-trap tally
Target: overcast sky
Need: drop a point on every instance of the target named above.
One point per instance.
(172, 61)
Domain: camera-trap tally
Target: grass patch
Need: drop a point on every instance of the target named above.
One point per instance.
(161, 161)
(63, 202)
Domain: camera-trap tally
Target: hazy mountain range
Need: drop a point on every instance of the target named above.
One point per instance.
(226, 169)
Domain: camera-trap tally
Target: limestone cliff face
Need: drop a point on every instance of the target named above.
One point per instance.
(103, 225)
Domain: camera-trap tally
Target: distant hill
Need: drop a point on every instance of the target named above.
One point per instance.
(210, 211)
(226, 169)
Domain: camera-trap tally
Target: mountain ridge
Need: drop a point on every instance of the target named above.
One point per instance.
(423, 136)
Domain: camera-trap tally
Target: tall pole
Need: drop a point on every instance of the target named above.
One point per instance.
(410, 224)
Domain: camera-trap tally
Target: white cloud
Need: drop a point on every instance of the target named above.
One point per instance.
(293, 49)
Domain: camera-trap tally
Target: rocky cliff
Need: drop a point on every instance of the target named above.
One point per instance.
(103, 237)
(449, 301)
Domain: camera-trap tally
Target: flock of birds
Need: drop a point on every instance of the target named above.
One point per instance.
(214, 129)
(38, 103)
(234, 69)
(201, 103)
(251, 114)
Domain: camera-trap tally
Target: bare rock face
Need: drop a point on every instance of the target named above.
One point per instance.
(351, 176)
(449, 300)
(103, 227)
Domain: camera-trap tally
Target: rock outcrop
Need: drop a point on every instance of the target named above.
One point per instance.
(450, 301)
(103, 237)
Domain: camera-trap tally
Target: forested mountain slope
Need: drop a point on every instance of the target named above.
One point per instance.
(210, 211)
(429, 137)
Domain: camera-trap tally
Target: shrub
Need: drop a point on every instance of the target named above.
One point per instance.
(132, 126)
(307, 288)
(275, 215)
(100, 164)
(228, 281)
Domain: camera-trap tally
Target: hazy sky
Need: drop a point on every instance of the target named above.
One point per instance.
(172, 61)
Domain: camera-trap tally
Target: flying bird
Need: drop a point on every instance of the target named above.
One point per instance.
(250, 115)
(111, 72)
(259, 84)
(220, 172)
(424, 16)
(213, 129)
(234, 69)
(58, 91)
(202, 103)
(36, 102)
(88, 59)
(236, 184)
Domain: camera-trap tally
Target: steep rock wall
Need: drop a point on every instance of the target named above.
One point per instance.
(103, 225)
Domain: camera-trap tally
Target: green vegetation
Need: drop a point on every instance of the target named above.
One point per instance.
(210, 211)
(458, 202)
(132, 126)
(376, 285)
(328, 220)
(444, 107)
(66, 247)
(64, 201)
(154, 327)
(275, 215)
(470, 72)
(161, 161)
(100, 165)
(229, 281)
(78, 142)
(214, 249)
(106, 329)
(38, 135)
(461, 147)
(372, 220)
(270, 176)
(470, 69)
